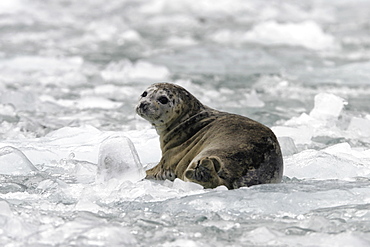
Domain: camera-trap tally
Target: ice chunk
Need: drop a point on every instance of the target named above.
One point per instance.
(14, 162)
(20, 100)
(252, 100)
(86, 229)
(181, 41)
(125, 71)
(321, 122)
(359, 126)
(287, 145)
(46, 184)
(89, 103)
(147, 145)
(130, 35)
(145, 70)
(186, 186)
(307, 34)
(84, 171)
(181, 243)
(86, 205)
(5, 209)
(317, 224)
(8, 113)
(327, 106)
(13, 226)
(118, 159)
(225, 36)
(108, 235)
(101, 30)
(262, 235)
(67, 135)
(37, 63)
(335, 162)
(300, 135)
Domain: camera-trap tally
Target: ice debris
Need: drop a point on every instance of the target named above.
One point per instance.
(5, 209)
(338, 161)
(126, 71)
(360, 127)
(118, 159)
(186, 186)
(327, 106)
(49, 64)
(8, 113)
(321, 121)
(14, 162)
(287, 146)
(307, 34)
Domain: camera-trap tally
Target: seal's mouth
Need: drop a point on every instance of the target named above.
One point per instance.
(140, 110)
(144, 110)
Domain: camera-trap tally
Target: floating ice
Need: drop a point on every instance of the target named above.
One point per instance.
(102, 30)
(299, 134)
(20, 100)
(86, 205)
(14, 162)
(13, 226)
(356, 73)
(360, 127)
(181, 41)
(82, 141)
(181, 243)
(130, 35)
(146, 142)
(145, 70)
(336, 162)
(37, 63)
(307, 34)
(85, 229)
(327, 106)
(252, 100)
(125, 71)
(7, 113)
(186, 186)
(5, 209)
(322, 121)
(89, 103)
(287, 145)
(108, 234)
(118, 159)
(262, 235)
(267, 236)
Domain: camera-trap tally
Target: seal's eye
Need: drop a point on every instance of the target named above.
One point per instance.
(163, 100)
(144, 94)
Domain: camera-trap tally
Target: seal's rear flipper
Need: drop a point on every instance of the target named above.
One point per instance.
(204, 172)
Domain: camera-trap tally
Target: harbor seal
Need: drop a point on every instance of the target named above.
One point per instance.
(207, 146)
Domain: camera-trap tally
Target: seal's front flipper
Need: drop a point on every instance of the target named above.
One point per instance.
(204, 172)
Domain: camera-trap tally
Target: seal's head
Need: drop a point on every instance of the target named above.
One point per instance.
(165, 104)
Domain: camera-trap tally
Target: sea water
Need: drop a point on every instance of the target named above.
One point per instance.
(73, 152)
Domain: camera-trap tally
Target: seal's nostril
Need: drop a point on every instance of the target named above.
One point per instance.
(144, 105)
